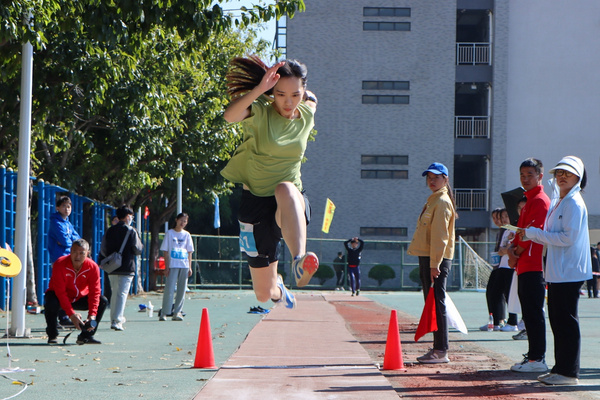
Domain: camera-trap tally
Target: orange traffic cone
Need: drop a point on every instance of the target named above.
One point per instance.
(205, 358)
(392, 359)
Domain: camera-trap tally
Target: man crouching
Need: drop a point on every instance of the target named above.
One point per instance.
(75, 285)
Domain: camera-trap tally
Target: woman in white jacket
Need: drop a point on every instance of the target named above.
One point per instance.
(568, 265)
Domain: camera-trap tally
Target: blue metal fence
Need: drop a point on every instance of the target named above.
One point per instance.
(8, 207)
(45, 206)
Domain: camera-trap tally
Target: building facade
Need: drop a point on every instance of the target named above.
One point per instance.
(478, 85)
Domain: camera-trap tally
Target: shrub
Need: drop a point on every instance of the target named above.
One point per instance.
(381, 272)
(415, 276)
(324, 273)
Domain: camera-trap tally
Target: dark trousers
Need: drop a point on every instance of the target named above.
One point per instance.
(339, 273)
(563, 301)
(531, 296)
(354, 275)
(493, 296)
(440, 337)
(52, 306)
(592, 286)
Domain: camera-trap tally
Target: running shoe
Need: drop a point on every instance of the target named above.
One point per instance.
(558, 379)
(177, 317)
(521, 335)
(434, 357)
(286, 295)
(509, 328)
(304, 268)
(528, 365)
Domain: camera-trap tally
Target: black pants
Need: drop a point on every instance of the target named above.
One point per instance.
(52, 305)
(339, 273)
(592, 287)
(504, 280)
(440, 337)
(563, 301)
(531, 296)
(493, 296)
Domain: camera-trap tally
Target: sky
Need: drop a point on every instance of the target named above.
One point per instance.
(269, 33)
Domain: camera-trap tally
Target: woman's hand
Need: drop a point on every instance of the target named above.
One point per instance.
(435, 272)
(271, 77)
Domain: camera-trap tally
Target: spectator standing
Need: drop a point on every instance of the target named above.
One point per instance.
(433, 243)
(568, 265)
(75, 285)
(177, 248)
(61, 236)
(526, 257)
(505, 275)
(592, 283)
(120, 279)
(493, 290)
(339, 266)
(354, 249)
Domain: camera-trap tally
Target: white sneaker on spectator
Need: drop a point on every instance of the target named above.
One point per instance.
(509, 328)
(528, 365)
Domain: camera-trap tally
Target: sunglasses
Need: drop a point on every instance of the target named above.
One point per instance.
(561, 172)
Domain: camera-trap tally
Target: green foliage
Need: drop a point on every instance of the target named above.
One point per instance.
(324, 273)
(415, 276)
(123, 91)
(381, 273)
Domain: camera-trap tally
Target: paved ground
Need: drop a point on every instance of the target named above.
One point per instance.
(327, 348)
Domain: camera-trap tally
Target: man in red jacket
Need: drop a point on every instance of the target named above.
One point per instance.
(75, 285)
(526, 257)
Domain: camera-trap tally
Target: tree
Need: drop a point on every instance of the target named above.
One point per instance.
(124, 91)
(324, 273)
(381, 273)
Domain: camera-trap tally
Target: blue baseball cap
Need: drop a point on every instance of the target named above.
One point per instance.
(437, 168)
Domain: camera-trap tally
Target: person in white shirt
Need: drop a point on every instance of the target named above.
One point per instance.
(177, 248)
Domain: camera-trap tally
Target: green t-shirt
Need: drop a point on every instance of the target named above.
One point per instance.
(272, 149)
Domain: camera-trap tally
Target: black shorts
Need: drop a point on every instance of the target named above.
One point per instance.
(260, 235)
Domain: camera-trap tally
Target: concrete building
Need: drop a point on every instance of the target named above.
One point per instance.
(478, 85)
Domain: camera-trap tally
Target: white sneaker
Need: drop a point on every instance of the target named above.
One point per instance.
(557, 379)
(117, 326)
(178, 317)
(530, 366)
(509, 328)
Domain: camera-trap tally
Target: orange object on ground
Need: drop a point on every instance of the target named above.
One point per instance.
(392, 359)
(205, 357)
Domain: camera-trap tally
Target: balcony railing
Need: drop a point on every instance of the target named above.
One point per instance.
(471, 127)
(471, 199)
(473, 53)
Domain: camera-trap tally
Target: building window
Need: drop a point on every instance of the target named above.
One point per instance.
(383, 174)
(369, 231)
(386, 85)
(386, 26)
(394, 160)
(386, 12)
(385, 99)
